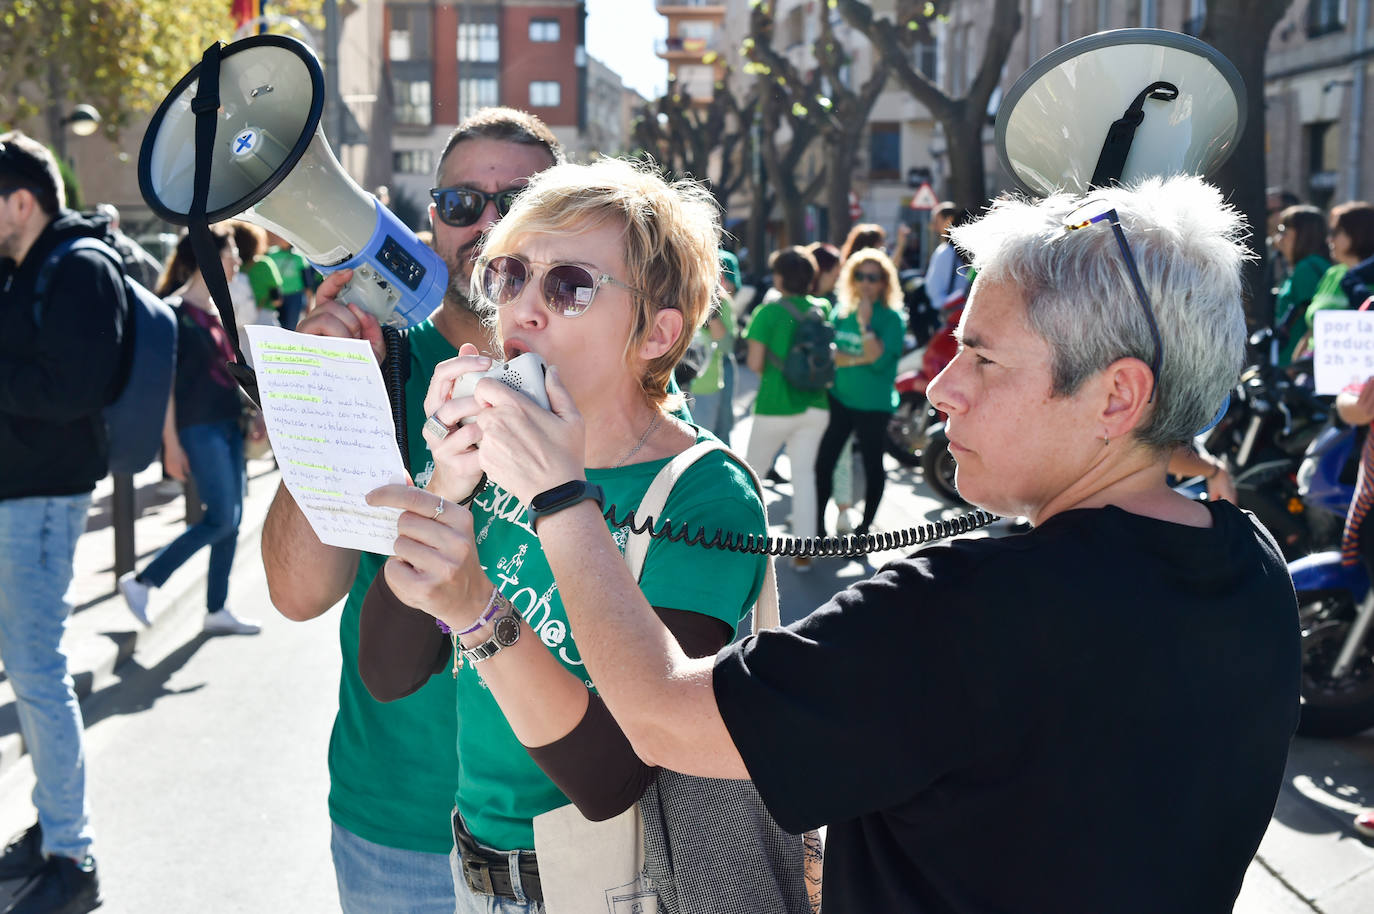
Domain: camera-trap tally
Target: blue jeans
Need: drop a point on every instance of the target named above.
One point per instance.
(292, 304)
(470, 902)
(37, 542)
(375, 879)
(215, 453)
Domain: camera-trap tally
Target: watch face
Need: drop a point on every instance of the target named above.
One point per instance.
(555, 495)
(507, 630)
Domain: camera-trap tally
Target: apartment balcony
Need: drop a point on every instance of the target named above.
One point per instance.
(678, 48)
(690, 7)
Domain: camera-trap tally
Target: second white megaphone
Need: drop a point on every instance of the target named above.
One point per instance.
(272, 166)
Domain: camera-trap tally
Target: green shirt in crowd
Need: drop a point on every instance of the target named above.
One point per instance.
(870, 387)
(712, 377)
(773, 325)
(1329, 295)
(263, 276)
(1295, 295)
(500, 788)
(292, 267)
(392, 771)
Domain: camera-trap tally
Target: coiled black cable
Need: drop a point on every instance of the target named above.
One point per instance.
(808, 547)
(392, 374)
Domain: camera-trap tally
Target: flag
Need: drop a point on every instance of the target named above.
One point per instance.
(245, 11)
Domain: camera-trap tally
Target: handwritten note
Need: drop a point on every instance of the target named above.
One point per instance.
(329, 422)
(1344, 346)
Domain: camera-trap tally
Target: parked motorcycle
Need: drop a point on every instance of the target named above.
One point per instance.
(1335, 602)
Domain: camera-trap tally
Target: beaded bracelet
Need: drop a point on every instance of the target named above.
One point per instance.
(493, 607)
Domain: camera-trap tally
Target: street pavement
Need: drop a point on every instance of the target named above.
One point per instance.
(208, 754)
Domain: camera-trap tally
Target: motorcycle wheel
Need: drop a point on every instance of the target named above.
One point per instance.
(1332, 707)
(906, 431)
(937, 466)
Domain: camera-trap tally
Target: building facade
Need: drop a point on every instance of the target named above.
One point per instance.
(693, 48)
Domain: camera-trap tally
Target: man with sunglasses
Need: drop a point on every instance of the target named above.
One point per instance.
(391, 765)
(59, 361)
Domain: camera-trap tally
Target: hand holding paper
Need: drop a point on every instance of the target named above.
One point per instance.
(330, 425)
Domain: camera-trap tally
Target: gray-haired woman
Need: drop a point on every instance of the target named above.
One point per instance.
(1100, 707)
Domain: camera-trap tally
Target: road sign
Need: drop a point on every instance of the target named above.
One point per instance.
(855, 209)
(924, 198)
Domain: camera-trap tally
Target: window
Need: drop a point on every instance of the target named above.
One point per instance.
(1197, 15)
(412, 161)
(885, 151)
(408, 39)
(545, 94)
(413, 105)
(1065, 20)
(478, 42)
(925, 57)
(1324, 16)
(697, 80)
(1102, 15)
(474, 93)
(1323, 161)
(544, 30)
(1149, 14)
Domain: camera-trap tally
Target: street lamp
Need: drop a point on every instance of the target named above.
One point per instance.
(83, 121)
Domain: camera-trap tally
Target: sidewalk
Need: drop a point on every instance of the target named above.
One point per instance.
(101, 634)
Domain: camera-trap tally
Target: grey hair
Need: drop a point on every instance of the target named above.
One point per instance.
(1188, 246)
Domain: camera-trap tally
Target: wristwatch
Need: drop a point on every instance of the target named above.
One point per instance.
(564, 496)
(505, 631)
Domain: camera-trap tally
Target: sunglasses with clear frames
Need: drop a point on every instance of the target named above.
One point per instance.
(1094, 212)
(462, 206)
(568, 289)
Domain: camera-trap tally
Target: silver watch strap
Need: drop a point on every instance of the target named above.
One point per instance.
(489, 648)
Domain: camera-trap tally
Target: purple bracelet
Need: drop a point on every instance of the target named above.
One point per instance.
(493, 606)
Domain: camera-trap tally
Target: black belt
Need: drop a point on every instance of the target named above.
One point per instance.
(487, 871)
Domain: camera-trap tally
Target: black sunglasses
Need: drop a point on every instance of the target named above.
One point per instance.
(861, 276)
(568, 288)
(1093, 212)
(462, 206)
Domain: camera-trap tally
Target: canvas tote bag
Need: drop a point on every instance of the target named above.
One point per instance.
(690, 845)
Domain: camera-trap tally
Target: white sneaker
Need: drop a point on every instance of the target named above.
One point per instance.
(135, 595)
(845, 521)
(223, 622)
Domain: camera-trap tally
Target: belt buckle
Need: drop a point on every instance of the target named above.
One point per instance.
(477, 874)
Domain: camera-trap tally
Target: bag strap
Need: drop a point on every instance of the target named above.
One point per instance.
(800, 317)
(656, 498)
(55, 257)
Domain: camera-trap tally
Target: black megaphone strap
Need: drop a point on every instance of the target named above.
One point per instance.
(205, 106)
(1112, 160)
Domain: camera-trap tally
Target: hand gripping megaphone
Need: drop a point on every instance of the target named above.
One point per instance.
(1119, 106)
(270, 165)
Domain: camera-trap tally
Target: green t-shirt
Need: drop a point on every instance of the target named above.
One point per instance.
(263, 276)
(391, 766)
(1296, 293)
(870, 387)
(293, 269)
(500, 788)
(1329, 294)
(773, 325)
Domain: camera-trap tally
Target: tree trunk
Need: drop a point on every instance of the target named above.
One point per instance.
(839, 167)
(964, 152)
(1240, 29)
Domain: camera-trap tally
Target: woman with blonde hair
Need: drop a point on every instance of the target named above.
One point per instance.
(605, 271)
(869, 328)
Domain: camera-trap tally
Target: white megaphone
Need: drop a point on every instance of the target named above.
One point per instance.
(272, 166)
(1119, 106)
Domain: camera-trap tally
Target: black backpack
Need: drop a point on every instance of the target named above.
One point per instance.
(810, 361)
(133, 420)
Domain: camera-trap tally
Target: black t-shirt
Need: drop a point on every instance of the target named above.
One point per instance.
(1093, 716)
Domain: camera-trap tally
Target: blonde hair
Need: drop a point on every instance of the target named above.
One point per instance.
(847, 296)
(671, 238)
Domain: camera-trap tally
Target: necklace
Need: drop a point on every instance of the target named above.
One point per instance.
(642, 438)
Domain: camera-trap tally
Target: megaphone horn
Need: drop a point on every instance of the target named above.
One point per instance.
(271, 165)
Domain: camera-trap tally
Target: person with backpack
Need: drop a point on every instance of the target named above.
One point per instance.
(201, 437)
(792, 349)
(868, 335)
(61, 359)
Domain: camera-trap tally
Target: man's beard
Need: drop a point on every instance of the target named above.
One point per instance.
(460, 266)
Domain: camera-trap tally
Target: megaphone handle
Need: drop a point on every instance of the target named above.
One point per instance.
(393, 373)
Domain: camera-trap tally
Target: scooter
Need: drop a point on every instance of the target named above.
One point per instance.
(1335, 603)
